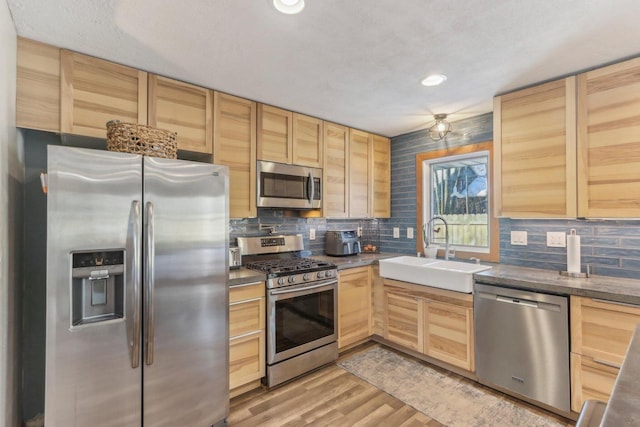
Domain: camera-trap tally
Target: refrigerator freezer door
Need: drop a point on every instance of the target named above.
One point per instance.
(91, 209)
(185, 336)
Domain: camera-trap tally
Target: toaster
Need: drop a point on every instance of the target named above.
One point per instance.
(342, 243)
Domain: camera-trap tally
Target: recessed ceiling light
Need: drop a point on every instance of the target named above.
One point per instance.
(289, 7)
(434, 80)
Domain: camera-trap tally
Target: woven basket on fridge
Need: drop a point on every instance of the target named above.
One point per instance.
(141, 139)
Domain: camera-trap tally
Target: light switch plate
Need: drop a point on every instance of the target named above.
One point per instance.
(396, 232)
(519, 238)
(556, 239)
(409, 232)
(312, 234)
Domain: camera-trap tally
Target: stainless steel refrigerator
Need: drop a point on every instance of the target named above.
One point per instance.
(137, 296)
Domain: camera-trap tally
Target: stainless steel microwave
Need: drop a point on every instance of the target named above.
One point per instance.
(288, 186)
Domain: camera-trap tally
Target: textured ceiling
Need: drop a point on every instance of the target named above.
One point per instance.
(356, 62)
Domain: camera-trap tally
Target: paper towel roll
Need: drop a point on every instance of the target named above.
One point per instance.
(573, 252)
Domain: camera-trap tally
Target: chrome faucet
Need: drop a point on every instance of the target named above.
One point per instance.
(446, 234)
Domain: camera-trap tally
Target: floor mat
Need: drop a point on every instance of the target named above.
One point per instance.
(449, 401)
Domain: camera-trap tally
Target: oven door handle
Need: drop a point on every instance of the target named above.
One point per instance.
(306, 288)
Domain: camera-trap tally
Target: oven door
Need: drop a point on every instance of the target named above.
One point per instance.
(301, 318)
(288, 186)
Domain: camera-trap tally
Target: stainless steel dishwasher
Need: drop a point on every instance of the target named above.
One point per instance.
(522, 343)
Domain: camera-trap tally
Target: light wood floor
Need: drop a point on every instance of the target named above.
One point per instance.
(328, 397)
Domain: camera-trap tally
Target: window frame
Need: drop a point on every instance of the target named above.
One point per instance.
(493, 255)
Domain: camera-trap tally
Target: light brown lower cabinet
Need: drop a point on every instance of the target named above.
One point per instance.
(600, 334)
(246, 337)
(403, 315)
(590, 380)
(435, 322)
(354, 306)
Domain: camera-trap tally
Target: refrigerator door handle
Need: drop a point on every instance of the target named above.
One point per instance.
(149, 285)
(135, 359)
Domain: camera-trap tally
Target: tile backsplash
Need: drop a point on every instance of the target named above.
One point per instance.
(610, 247)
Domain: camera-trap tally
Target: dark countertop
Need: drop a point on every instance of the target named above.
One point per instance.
(353, 261)
(604, 287)
(624, 405)
(243, 276)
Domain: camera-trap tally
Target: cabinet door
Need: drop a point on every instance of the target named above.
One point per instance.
(602, 330)
(94, 91)
(609, 141)
(182, 108)
(449, 334)
(359, 174)
(234, 145)
(275, 134)
(404, 323)
(381, 194)
(535, 151)
(307, 141)
(335, 194)
(246, 359)
(354, 306)
(38, 86)
(590, 380)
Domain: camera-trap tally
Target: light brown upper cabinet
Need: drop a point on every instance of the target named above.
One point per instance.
(335, 194)
(609, 141)
(183, 108)
(234, 128)
(38, 86)
(94, 91)
(307, 141)
(360, 174)
(535, 151)
(381, 194)
(275, 134)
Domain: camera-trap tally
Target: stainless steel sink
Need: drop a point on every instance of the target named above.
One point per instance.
(452, 275)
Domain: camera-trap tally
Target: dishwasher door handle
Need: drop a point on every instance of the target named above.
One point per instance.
(522, 302)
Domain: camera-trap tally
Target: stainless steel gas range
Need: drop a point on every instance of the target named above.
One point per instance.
(301, 305)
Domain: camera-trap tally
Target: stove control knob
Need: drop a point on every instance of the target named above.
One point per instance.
(306, 276)
(320, 274)
(329, 273)
(292, 279)
(281, 281)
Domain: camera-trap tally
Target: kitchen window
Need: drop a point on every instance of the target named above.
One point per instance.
(455, 184)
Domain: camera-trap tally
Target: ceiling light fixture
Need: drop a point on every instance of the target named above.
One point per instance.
(439, 130)
(434, 80)
(290, 7)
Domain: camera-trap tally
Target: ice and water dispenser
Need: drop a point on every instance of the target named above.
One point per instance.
(97, 291)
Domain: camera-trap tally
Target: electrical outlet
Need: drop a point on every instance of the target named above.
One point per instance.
(396, 232)
(359, 231)
(556, 239)
(519, 238)
(409, 232)
(312, 234)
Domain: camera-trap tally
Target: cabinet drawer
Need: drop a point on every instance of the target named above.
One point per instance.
(602, 330)
(246, 316)
(246, 359)
(590, 380)
(248, 291)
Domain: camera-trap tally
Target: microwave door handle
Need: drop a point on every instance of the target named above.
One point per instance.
(311, 184)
